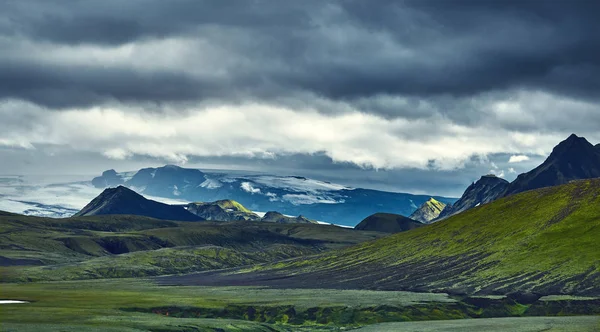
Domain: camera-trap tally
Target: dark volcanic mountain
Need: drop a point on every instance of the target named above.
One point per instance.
(388, 223)
(429, 211)
(121, 200)
(573, 159)
(485, 190)
(276, 217)
(290, 195)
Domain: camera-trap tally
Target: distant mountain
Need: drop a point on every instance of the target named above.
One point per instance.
(429, 211)
(276, 217)
(573, 159)
(488, 188)
(109, 178)
(121, 200)
(290, 195)
(223, 210)
(388, 223)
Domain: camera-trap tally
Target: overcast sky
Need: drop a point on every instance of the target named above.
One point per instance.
(418, 96)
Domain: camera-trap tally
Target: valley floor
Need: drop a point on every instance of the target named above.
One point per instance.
(142, 305)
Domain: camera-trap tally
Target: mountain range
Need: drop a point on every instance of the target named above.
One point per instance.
(124, 201)
(289, 195)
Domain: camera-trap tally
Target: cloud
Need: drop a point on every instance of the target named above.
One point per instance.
(498, 173)
(265, 132)
(518, 158)
(427, 53)
(417, 86)
(247, 186)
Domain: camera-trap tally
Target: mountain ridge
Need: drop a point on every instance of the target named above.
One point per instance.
(572, 159)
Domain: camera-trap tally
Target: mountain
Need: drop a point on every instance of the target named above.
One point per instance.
(290, 195)
(543, 241)
(387, 223)
(108, 178)
(276, 217)
(121, 200)
(223, 210)
(486, 189)
(429, 211)
(573, 159)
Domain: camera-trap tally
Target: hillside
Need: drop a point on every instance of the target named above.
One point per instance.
(34, 248)
(429, 211)
(573, 159)
(543, 241)
(121, 200)
(388, 223)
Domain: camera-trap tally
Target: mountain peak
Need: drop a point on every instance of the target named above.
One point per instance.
(572, 159)
(429, 211)
(572, 145)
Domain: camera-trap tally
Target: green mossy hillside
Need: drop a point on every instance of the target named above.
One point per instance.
(543, 241)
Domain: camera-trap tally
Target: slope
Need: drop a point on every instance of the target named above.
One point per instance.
(543, 241)
(121, 200)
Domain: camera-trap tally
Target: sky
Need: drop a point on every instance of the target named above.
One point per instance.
(413, 96)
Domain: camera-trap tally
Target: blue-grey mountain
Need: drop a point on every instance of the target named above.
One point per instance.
(289, 195)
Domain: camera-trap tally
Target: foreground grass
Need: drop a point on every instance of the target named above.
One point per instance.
(97, 305)
(142, 305)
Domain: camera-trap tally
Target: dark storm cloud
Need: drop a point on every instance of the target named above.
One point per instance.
(351, 51)
(115, 22)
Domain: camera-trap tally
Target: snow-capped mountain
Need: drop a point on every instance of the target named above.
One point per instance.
(292, 195)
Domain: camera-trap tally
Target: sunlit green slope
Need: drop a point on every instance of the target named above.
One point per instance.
(544, 241)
